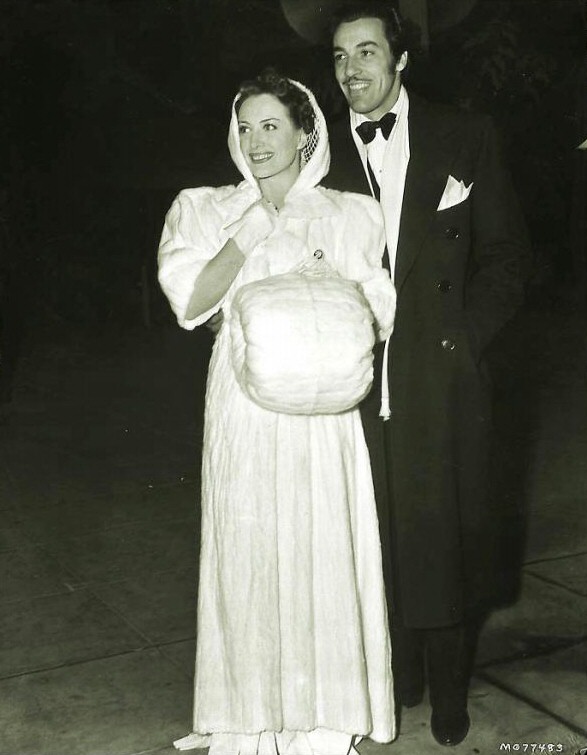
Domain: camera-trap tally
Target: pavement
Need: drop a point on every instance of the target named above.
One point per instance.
(99, 479)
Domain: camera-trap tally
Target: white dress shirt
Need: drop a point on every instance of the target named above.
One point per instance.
(389, 161)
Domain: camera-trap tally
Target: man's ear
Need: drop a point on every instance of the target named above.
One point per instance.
(402, 62)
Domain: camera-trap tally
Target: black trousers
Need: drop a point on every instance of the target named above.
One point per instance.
(443, 655)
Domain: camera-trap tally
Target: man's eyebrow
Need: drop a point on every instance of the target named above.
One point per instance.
(366, 43)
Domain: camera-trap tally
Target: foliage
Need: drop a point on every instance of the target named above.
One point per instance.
(500, 64)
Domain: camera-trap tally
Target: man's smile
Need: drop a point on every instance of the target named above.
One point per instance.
(356, 85)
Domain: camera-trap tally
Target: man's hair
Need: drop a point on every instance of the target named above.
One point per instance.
(396, 32)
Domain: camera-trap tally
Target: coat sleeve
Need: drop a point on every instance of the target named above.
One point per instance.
(190, 238)
(363, 239)
(500, 247)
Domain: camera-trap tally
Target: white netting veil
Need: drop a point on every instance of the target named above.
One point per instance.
(315, 157)
(312, 140)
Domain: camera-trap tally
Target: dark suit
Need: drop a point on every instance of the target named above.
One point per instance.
(459, 275)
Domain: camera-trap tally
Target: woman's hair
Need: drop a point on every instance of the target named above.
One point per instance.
(294, 99)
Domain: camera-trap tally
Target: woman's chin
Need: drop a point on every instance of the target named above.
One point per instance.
(261, 171)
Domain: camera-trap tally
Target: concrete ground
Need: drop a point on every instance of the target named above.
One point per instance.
(99, 497)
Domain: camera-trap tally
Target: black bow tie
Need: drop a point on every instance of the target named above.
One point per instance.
(368, 129)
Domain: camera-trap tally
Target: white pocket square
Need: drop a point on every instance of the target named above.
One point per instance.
(454, 193)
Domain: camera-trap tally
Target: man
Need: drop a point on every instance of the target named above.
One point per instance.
(457, 250)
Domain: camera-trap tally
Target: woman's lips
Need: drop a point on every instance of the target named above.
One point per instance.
(260, 157)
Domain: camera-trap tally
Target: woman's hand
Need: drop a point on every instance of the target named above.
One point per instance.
(255, 225)
(247, 232)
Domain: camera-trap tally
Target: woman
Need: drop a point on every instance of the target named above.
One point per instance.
(293, 652)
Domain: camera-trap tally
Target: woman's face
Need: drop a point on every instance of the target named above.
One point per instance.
(269, 140)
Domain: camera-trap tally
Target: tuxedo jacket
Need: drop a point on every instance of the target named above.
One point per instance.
(459, 275)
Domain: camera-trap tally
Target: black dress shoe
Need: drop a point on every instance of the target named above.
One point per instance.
(450, 730)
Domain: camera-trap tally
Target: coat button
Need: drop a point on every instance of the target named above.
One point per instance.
(451, 233)
(444, 286)
(318, 254)
(448, 345)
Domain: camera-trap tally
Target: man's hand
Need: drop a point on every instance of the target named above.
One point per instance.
(215, 322)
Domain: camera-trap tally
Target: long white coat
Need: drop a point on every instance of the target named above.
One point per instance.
(293, 651)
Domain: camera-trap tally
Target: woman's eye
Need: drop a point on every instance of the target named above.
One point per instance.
(270, 127)
(243, 129)
(339, 57)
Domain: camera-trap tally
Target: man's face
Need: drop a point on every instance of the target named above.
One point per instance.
(365, 68)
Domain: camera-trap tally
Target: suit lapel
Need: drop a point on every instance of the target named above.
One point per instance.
(432, 153)
(346, 169)
(428, 170)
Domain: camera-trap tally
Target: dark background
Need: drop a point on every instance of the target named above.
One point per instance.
(110, 107)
